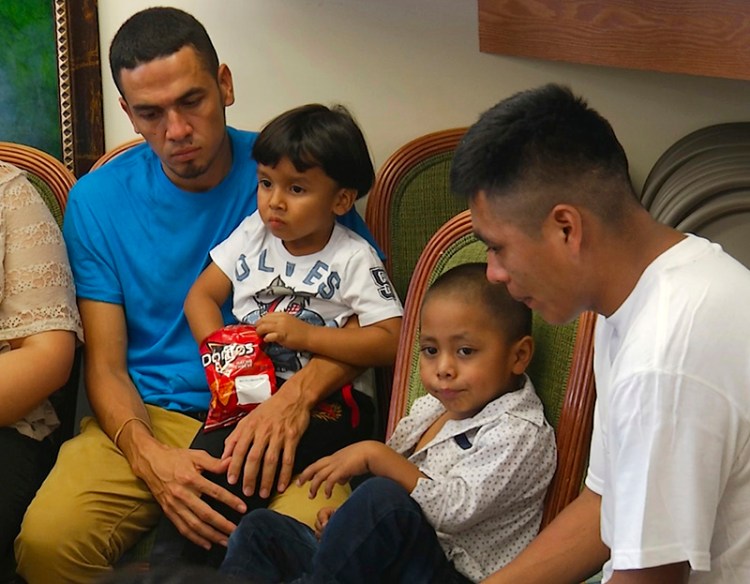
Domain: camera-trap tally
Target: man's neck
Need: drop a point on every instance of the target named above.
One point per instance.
(626, 255)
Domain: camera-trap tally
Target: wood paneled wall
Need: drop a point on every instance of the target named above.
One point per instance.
(700, 37)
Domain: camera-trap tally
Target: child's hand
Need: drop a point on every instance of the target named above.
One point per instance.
(324, 515)
(339, 467)
(284, 329)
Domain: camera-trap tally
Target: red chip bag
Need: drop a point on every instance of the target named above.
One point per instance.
(240, 375)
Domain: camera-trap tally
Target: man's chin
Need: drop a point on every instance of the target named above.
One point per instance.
(188, 171)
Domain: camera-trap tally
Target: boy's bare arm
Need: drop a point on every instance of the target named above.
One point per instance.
(366, 346)
(204, 301)
(569, 550)
(357, 459)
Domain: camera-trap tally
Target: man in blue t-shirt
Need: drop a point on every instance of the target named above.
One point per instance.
(138, 232)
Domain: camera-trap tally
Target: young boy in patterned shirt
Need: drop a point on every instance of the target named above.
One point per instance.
(458, 490)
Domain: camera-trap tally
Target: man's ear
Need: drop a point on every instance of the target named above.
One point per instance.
(521, 353)
(345, 199)
(126, 108)
(226, 85)
(566, 223)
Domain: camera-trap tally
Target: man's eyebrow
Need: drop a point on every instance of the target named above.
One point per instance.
(143, 107)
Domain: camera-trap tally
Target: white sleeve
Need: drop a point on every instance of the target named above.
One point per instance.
(595, 474)
(367, 289)
(226, 253)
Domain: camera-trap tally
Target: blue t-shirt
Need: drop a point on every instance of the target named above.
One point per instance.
(137, 240)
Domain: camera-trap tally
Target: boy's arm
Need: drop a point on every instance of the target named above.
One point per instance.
(367, 346)
(357, 459)
(204, 301)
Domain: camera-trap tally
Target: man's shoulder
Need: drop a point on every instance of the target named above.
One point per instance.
(132, 164)
(242, 139)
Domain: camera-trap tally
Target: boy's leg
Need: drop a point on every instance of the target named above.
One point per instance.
(91, 508)
(268, 547)
(381, 535)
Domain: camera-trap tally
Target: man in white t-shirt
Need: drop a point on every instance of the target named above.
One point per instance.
(667, 496)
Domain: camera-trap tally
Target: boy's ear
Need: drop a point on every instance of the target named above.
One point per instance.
(521, 353)
(344, 201)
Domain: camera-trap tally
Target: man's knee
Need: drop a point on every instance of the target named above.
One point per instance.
(50, 545)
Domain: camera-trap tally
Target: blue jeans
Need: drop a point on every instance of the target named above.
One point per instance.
(378, 535)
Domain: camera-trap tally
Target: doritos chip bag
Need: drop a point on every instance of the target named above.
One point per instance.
(240, 375)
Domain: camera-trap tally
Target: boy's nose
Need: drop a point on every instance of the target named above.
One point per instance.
(445, 368)
(276, 200)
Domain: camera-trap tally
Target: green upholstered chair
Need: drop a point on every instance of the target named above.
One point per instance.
(561, 369)
(410, 199)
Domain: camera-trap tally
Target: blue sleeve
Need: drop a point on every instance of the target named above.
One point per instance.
(353, 221)
(93, 271)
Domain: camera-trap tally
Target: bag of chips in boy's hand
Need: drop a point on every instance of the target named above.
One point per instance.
(240, 375)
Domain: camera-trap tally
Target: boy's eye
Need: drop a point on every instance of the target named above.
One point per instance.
(465, 351)
(428, 351)
(296, 189)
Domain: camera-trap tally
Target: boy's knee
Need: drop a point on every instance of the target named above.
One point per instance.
(258, 520)
(380, 493)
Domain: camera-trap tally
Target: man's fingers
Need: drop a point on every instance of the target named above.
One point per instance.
(242, 438)
(196, 520)
(252, 464)
(270, 463)
(220, 494)
(204, 526)
(207, 462)
(287, 461)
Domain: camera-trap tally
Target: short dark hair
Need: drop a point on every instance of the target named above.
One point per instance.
(155, 33)
(469, 281)
(315, 135)
(548, 138)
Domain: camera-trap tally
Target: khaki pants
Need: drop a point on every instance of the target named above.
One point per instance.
(92, 508)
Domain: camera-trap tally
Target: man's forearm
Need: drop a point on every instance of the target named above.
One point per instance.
(569, 550)
(320, 377)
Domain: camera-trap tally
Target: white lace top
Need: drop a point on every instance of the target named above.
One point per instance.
(36, 285)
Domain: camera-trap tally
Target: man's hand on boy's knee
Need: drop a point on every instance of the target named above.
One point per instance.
(267, 436)
(174, 476)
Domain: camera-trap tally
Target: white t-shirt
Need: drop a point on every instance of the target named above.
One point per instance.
(326, 288)
(670, 453)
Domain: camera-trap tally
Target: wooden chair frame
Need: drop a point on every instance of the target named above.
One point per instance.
(116, 151)
(398, 164)
(47, 167)
(573, 434)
